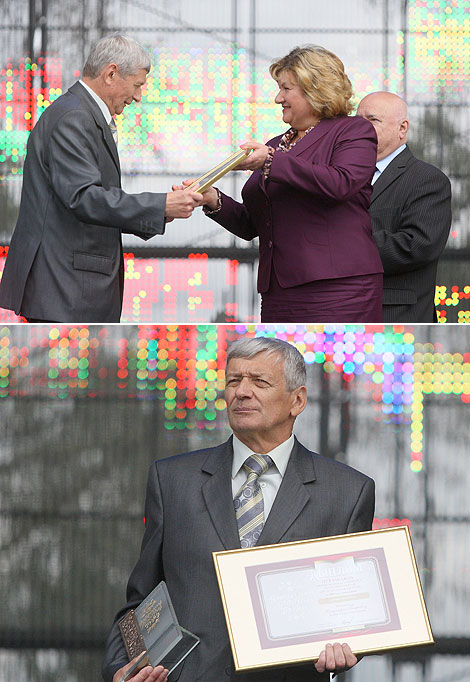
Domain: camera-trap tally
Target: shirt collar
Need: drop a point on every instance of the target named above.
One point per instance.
(383, 163)
(101, 103)
(280, 455)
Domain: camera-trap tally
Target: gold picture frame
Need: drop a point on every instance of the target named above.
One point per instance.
(283, 603)
(207, 180)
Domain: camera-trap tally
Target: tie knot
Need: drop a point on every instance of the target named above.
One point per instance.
(257, 464)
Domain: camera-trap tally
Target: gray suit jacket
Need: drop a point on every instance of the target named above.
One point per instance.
(189, 514)
(65, 259)
(411, 218)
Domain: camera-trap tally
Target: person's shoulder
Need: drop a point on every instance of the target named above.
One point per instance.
(194, 458)
(362, 125)
(424, 168)
(353, 127)
(332, 467)
(68, 100)
(69, 109)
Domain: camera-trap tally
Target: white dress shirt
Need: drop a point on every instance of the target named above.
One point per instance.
(381, 165)
(271, 480)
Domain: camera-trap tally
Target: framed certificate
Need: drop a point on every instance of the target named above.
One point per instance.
(207, 180)
(284, 603)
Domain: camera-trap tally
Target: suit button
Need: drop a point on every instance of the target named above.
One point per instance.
(228, 671)
(270, 244)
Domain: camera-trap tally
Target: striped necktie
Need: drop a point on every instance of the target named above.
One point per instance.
(248, 502)
(113, 128)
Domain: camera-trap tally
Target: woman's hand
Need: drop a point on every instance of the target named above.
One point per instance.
(210, 198)
(257, 157)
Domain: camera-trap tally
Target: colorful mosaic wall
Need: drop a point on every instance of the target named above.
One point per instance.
(212, 94)
(183, 366)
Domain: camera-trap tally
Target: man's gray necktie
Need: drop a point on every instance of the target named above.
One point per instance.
(248, 502)
(113, 128)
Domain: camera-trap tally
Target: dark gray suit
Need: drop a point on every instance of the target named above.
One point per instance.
(411, 218)
(189, 514)
(65, 259)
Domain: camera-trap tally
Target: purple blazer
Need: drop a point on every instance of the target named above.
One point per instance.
(311, 215)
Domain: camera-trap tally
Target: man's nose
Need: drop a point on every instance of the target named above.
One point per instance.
(244, 387)
(138, 96)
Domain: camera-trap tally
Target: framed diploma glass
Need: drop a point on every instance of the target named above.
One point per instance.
(284, 603)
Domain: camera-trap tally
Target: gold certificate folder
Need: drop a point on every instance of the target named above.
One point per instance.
(207, 180)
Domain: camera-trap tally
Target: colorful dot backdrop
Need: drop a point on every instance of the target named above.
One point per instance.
(183, 367)
(210, 93)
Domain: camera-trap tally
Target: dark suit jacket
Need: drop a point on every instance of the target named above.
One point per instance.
(65, 259)
(411, 218)
(189, 514)
(311, 216)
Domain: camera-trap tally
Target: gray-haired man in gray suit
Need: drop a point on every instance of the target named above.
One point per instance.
(192, 507)
(65, 261)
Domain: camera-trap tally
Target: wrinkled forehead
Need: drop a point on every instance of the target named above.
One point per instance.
(262, 362)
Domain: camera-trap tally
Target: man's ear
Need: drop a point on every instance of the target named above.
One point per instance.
(109, 73)
(299, 400)
(403, 129)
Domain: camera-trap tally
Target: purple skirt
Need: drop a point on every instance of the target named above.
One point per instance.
(345, 299)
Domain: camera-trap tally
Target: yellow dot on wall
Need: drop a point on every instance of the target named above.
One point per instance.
(166, 287)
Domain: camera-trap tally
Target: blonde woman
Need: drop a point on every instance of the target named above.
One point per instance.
(308, 199)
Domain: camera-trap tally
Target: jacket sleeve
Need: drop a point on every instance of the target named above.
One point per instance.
(350, 168)
(147, 573)
(72, 157)
(363, 513)
(414, 234)
(234, 217)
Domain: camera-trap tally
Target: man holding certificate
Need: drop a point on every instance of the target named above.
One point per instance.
(308, 200)
(261, 487)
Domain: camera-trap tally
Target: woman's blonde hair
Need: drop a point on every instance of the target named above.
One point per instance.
(320, 74)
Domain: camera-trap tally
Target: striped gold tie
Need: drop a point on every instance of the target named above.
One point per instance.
(113, 128)
(248, 502)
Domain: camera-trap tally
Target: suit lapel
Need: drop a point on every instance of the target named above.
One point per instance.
(78, 90)
(307, 141)
(393, 171)
(292, 495)
(217, 493)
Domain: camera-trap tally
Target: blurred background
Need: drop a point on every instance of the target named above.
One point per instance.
(209, 90)
(85, 410)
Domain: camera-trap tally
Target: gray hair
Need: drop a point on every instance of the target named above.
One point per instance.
(294, 364)
(128, 55)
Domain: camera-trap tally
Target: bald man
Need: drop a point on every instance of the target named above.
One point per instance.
(411, 214)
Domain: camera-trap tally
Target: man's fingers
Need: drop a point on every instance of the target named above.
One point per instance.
(339, 659)
(350, 658)
(320, 664)
(335, 657)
